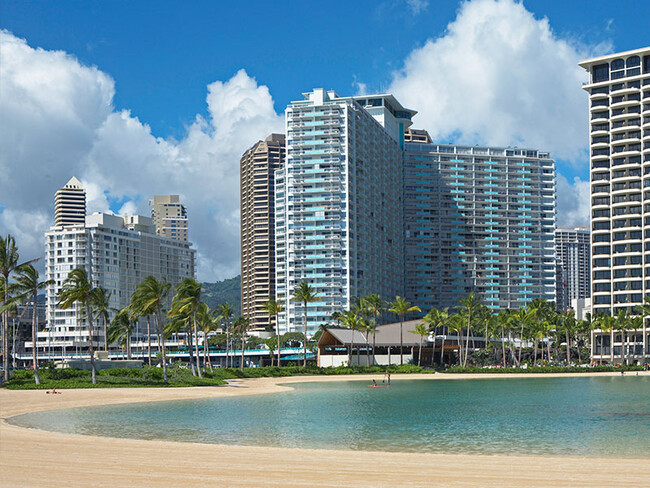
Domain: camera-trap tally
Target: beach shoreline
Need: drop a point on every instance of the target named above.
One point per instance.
(30, 457)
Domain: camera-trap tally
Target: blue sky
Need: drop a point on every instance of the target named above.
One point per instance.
(138, 98)
(162, 54)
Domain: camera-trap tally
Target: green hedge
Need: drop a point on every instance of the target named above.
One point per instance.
(543, 369)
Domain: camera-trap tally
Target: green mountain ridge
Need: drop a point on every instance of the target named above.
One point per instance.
(228, 290)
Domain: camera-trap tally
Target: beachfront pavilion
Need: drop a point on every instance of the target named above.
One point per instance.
(338, 346)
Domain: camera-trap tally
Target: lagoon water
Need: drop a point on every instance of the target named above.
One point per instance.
(604, 417)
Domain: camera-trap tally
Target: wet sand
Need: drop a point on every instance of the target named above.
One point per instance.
(32, 458)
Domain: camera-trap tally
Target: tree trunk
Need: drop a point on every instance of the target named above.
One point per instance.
(189, 348)
(243, 349)
(149, 339)
(611, 345)
(469, 322)
(304, 344)
(521, 343)
(374, 359)
(5, 331)
(503, 345)
(568, 347)
(535, 352)
(90, 341)
(277, 333)
(351, 349)
(442, 349)
(420, 351)
(128, 345)
(401, 341)
(196, 345)
(105, 334)
(162, 345)
(227, 343)
(37, 379)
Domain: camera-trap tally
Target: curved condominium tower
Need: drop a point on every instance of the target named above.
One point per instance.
(619, 114)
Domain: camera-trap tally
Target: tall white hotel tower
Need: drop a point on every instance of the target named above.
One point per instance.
(619, 98)
(339, 203)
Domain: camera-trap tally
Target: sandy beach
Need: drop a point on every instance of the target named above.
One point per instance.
(31, 458)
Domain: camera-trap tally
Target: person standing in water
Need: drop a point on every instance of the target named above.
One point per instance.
(388, 377)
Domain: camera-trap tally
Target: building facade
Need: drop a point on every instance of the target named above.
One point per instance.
(478, 219)
(339, 203)
(572, 248)
(257, 198)
(169, 217)
(619, 126)
(70, 204)
(117, 254)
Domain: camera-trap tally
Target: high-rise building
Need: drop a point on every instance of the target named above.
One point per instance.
(478, 219)
(339, 203)
(117, 254)
(169, 217)
(572, 248)
(257, 198)
(70, 204)
(619, 127)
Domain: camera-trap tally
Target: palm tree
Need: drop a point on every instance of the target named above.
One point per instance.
(274, 308)
(401, 307)
(272, 343)
(226, 312)
(207, 324)
(77, 289)
(306, 294)
(504, 319)
(186, 301)
(352, 321)
(455, 324)
(471, 305)
(120, 331)
(149, 298)
(101, 306)
(523, 317)
(568, 324)
(422, 331)
(9, 258)
(376, 306)
(621, 322)
(432, 319)
(137, 310)
(242, 325)
(28, 284)
(644, 312)
(606, 324)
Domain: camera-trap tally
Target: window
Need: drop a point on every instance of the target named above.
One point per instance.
(600, 72)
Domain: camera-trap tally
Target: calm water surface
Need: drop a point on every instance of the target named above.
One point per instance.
(542, 416)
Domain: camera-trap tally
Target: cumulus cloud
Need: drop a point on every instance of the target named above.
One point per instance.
(59, 121)
(499, 76)
(572, 201)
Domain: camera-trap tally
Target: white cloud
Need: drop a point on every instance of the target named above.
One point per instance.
(572, 201)
(59, 120)
(417, 6)
(499, 76)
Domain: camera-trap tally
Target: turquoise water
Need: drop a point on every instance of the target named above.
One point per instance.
(541, 416)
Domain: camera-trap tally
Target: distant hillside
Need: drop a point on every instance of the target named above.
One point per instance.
(224, 291)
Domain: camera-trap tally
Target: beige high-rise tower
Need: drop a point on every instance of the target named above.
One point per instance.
(257, 188)
(169, 216)
(70, 204)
